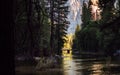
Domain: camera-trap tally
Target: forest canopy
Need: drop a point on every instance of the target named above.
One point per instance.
(40, 26)
(100, 31)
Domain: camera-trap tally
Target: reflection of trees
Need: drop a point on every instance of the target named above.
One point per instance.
(96, 69)
(100, 68)
(92, 68)
(70, 67)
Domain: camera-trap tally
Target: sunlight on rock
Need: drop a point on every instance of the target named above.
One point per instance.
(95, 10)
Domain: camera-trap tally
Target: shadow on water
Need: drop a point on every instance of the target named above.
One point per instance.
(74, 65)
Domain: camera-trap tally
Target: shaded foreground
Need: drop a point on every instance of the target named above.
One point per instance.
(75, 65)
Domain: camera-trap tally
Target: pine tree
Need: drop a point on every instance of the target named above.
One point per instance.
(59, 24)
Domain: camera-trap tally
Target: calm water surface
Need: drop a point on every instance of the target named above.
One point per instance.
(74, 65)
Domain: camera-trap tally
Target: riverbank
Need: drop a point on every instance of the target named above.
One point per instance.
(41, 66)
(30, 70)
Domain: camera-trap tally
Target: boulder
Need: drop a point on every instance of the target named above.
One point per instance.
(48, 62)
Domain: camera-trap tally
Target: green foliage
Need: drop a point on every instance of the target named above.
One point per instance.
(58, 30)
(108, 10)
(85, 15)
(38, 25)
(87, 38)
(100, 36)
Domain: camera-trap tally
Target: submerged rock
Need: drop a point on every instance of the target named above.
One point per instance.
(48, 62)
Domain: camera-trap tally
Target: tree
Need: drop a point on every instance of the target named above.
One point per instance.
(32, 28)
(75, 38)
(59, 25)
(85, 14)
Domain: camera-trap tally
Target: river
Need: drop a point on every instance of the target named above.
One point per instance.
(75, 65)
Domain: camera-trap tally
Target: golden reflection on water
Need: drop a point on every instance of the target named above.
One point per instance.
(96, 69)
(69, 65)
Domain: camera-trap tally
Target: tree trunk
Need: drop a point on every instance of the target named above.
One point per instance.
(29, 23)
(52, 31)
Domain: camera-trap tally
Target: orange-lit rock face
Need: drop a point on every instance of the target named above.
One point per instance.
(94, 2)
(95, 10)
